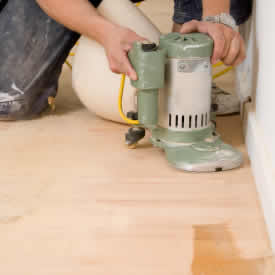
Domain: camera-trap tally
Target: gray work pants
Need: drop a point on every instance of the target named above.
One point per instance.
(32, 52)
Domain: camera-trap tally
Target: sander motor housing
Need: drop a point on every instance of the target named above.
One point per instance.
(174, 101)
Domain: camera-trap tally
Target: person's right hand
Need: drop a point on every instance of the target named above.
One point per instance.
(117, 44)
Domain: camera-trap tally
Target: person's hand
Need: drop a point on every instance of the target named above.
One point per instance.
(117, 45)
(229, 46)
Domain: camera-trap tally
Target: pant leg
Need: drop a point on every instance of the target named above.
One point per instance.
(241, 10)
(33, 50)
(2, 4)
(187, 10)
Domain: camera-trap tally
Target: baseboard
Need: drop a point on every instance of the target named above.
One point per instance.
(263, 171)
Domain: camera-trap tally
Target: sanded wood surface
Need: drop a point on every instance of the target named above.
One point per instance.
(75, 200)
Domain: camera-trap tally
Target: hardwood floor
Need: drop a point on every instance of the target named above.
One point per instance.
(75, 200)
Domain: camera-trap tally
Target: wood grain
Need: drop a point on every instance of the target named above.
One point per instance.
(75, 200)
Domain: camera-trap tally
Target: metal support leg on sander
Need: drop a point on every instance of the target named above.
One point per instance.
(134, 134)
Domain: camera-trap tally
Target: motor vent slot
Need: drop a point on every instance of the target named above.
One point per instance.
(182, 121)
(197, 121)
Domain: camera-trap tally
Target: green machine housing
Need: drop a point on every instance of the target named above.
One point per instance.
(164, 71)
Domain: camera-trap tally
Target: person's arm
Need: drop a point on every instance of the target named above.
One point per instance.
(82, 17)
(212, 7)
(228, 43)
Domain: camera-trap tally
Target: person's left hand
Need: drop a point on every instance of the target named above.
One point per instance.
(229, 45)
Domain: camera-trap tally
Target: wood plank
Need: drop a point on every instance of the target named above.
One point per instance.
(75, 200)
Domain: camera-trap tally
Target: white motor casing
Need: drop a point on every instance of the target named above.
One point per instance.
(185, 101)
(96, 86)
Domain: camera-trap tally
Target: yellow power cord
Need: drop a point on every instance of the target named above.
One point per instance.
(125, 118)
(120, 96)
(69, 64)
(218, 64)
(221, 72)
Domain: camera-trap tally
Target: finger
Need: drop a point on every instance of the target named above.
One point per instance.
(229, 35)
(212, 30)
(226, 49)
(114, 68)
(219, 43)
(128, 69)
(241, 56)
(129, 45)
(191, 26)
(234, 51)
(113, 64)
(117, 64)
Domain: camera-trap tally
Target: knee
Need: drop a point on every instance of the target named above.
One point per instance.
(20, 105)
(25, 107)
(14, 109)
(17, 106)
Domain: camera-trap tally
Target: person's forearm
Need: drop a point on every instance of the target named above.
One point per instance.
(78, 15)
(213, 7)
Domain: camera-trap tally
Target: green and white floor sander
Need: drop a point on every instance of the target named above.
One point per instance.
(174, 103)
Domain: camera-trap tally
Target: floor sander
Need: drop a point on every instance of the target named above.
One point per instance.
(174, 103)
(171, 98)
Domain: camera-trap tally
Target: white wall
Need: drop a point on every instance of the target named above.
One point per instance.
(257, 78)
(265, 96)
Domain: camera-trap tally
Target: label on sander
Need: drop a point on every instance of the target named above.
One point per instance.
(191, 66)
